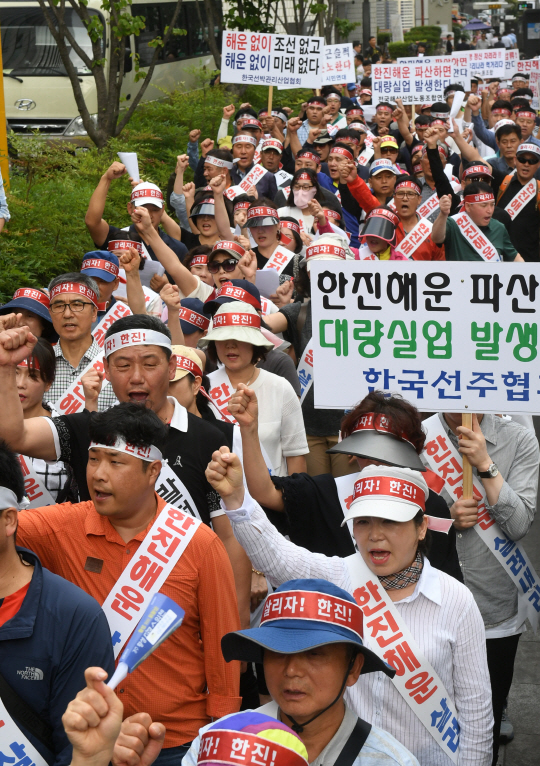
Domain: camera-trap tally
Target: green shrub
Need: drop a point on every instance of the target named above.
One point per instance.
(399, 50)
(51, 185)
(383, 38)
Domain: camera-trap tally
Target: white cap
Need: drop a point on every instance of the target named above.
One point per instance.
(147, 194)
(237, 321)
(334, 240)
(388, 493)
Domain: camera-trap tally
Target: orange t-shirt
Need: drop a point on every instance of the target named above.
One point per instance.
(186, 681)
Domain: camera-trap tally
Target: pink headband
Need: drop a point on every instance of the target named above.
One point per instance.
(311, 605)
(74, 287)
(124, 244)
(474, 198)
(34, 295)
(184, 363)
(236, 320)
(391, 488)
(192, 317)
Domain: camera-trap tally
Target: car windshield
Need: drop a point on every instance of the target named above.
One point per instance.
(28, 47)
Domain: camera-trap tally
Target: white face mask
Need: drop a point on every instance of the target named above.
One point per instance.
(302, 197)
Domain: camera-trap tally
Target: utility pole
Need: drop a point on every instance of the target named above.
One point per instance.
(4, 161)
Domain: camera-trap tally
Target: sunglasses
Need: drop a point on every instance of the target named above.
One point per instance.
(528, 160)
(229, 265)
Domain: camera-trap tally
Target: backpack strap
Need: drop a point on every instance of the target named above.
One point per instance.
(504, 185)
(23, 714)
(354, 744)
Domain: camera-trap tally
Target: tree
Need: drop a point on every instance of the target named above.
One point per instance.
(214, 18)
(107, 73)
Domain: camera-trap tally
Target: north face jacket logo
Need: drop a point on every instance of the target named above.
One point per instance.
(31, 674)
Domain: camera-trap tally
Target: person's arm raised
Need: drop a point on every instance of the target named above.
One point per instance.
(402, 119)
(218, 184)
(32, 437)
(130, 262)
(438, 232)
(93, 219)
(182, 276)
(139, 742)
(468, 151)
(244, 407)
(171, 298)
(292, 134)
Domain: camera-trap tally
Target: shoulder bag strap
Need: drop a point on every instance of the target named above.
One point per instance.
(354, 744)
(504, 185)
(22, 713)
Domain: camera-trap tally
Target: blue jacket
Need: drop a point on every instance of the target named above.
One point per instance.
(44, 650)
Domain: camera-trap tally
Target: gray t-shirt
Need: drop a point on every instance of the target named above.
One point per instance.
(317, 422)
(281, 364)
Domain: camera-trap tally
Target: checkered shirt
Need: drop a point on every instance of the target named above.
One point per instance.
(66, 374)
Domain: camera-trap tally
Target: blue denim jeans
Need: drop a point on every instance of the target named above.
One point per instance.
(172, 756)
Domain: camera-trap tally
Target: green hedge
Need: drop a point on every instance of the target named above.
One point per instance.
(51, 187)
(399, 50)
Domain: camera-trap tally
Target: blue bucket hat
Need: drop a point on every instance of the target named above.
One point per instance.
(36, 301)
(101, 264)
(194, 310)
(234, 290)
(300, 615)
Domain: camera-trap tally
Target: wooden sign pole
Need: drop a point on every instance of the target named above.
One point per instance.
(270, 97)
(466, 420)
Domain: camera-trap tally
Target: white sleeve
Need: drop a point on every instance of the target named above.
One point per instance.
(271, 553)
(293, 432)
(55, 436)
(202, 291)
(223, 129)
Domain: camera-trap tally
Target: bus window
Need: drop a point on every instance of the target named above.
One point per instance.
(178, 46)
(199, 47)
(29, 48)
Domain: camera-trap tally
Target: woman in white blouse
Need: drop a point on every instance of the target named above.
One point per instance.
(237, 343)
(444, 623)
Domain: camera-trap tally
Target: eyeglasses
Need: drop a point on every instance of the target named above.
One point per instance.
(59, 307)
(229, 265)
(296, 187)
(405, 195)
(528, 160)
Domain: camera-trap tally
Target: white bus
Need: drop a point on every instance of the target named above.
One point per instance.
(38, 92)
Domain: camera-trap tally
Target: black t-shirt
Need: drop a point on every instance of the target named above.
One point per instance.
(176, 246)
(262, 261)
(313, 517)
(187, 452)
(226, 429)
(524, 228)
(190, 239)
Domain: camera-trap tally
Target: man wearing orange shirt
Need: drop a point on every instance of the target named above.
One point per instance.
(418, 244)
(185, 682)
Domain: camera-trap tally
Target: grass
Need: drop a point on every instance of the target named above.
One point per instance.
(51, 187)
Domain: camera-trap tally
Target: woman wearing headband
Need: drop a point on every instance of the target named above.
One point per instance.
(236, 341)
(208, 216)
(305, 189)
(378, 237)
(197, 262)
(35, 376)
(422, 622)
(265, 228)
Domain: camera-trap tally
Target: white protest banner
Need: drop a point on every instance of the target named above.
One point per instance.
(252, 179)
(338, 64)
(415, 238)
(487, 63)
(529, 65)
(72, 400)
(279, 259)
(172, 489)
(144, 575)
(452, 336)
(417, 83)
(534, 79)
(305, 370)
(34, 489)
(264, 59)
(511, 62)
(452, 69)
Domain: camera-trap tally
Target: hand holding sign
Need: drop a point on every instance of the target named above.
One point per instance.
(465, 513)
(131, 164)
(139, 742)
(92, 720)
(472, 443)
(15, 345)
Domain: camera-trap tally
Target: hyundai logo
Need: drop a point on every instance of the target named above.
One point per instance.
(25, 104)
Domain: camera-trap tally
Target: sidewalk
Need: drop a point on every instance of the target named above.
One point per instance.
(524, 700)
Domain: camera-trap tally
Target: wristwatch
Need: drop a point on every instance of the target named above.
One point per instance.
(491, 472)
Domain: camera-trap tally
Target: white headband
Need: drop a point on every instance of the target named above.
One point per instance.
(136, 338)
(218, 162)
(8, 499)
(244, 139)
(144, 453)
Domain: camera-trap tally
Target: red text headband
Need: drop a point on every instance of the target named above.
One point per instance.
(124, 244)
(199, 260)
(311, 605)
(242, 205)
(290, 225)
(74, 287)
(187, 364)
(33, 295)
(262, 212)
(474, 198)
(476, 170)
(342, 152)
(192, 317)
(408, 185)
(372, 421)
(303, 177)
(97, 263)
(309, 156)
(382, 213)
(226, 244)
(33, 366)
(225, 746)
(238, 294)
(325, 250)
(396, 489)
(236, 320)
(143, 193)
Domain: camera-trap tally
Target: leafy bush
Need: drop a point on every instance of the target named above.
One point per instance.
(399, 50)
(52, 184)
(383, 37)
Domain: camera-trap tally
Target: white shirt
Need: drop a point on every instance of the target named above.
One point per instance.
(305, 220)
(443, 619)
(281, 423)
(380, 748)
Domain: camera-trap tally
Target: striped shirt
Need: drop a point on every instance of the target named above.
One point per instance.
(442, 617)
(66, 374)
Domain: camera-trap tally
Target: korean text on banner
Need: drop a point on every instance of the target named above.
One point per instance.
(487, 63)
(416, 83)
(511, 63)
(338, 64)
(264, 59)
(529, 65)
(456, 337)
(453, 69)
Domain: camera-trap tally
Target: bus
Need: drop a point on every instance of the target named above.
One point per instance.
(38, 92)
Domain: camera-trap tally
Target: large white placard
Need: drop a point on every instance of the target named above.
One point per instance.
(529, 65)
(487, 63)
(264, 59)
(338, 64)
(511, 63)
(453, 69)
(447, 336)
